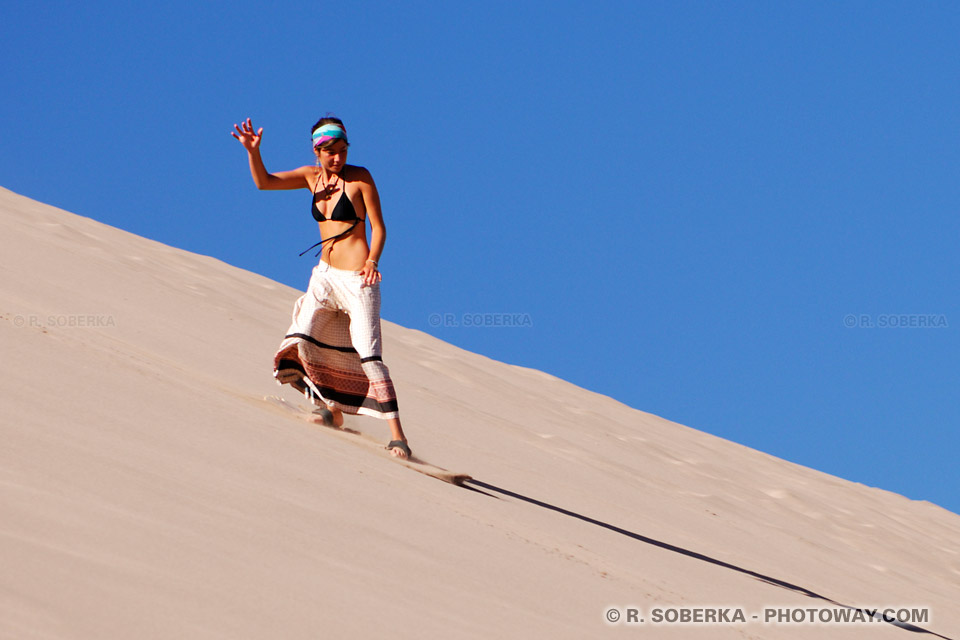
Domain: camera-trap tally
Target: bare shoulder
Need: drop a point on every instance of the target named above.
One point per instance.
(358, 174)
(308, 172)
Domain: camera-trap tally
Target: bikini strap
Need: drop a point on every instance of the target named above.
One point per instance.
(315, 185)
(339, 235)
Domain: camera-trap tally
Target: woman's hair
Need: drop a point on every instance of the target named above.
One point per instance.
(328, 120)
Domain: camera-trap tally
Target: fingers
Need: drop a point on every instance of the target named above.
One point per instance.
(246, 128)
(244, 132)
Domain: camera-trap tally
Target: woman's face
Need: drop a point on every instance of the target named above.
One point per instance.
(334, 156)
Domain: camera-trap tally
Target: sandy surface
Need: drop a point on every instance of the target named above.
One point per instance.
(148, 491)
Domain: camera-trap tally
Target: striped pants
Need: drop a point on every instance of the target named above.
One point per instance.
(333, 345)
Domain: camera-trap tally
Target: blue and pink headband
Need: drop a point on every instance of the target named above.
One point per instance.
(327, 132)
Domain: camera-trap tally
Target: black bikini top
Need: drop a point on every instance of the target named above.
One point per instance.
(342, 212)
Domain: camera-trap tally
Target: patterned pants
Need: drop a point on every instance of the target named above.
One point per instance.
(333, 345)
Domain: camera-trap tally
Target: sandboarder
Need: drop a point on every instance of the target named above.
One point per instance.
(332, 350)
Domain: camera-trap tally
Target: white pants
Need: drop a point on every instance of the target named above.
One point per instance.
(334, 342)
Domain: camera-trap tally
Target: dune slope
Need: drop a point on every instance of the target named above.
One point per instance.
(148, 491)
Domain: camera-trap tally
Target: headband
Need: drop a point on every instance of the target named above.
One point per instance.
(327, 132)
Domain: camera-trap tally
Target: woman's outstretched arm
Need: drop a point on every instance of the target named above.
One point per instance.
(250, 140)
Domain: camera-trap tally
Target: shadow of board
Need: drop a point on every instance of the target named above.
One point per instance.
(477, 485)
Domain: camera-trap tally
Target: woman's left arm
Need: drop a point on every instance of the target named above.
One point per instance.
(378, 232)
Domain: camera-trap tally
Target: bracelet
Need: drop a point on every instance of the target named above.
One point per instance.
(373, 261)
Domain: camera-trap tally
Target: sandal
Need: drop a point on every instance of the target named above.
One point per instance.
(399, 444)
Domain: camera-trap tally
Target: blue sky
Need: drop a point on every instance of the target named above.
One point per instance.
(685, 202)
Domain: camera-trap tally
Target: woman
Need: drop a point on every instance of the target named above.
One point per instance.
(332, 350)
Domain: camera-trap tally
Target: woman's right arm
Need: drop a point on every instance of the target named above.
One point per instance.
(250, 140)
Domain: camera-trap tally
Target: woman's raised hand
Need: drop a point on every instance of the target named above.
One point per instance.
(249, 139)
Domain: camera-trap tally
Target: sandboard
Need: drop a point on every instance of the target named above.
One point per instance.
(367, 442)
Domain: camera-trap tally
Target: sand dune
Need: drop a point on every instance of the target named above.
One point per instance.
(147, 490)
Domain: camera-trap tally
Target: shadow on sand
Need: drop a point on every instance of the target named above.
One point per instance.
(877, 615)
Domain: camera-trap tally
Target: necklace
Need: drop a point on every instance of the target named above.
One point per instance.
(328, 188)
